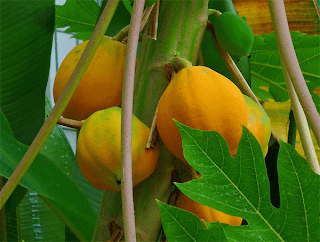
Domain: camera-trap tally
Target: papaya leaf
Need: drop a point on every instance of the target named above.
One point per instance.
(266, 67)
(181, 225)
(49, 180)
(81, 17)
(240, 187)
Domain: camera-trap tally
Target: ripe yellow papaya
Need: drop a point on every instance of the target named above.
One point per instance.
(202, 99)
(101, 85)
(204, 212)
(258, 124)
(99, 150)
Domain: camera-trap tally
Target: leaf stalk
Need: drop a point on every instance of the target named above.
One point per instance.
(126, 122)
(290, 61)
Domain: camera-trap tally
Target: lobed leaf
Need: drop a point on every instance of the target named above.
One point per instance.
(266, 67)
(240, 187)
(81, 18)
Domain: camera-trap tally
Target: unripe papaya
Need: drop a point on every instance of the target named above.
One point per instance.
(204, 212)
(233, 34)
(258, 124)
(201, 99)
(101, 85)
(99, 150)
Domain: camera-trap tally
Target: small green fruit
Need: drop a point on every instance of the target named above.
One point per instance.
(233, 34)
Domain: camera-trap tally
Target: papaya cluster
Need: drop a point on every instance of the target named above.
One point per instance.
(197, 96)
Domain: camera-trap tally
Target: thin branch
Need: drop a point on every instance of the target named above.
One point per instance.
(123, 33)
(61, 104)
(285, 46)
(126, 122)
(302, 124)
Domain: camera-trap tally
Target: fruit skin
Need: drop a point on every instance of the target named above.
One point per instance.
(233, 34)
(258, 124)
(99, 148)
(204, 212)
(101, 85)
(202, 99)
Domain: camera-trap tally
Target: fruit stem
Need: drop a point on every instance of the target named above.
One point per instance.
(153, 136)
(126, 122)
(289, 59)
(61, 104)
(214, 12)
(75, 124)
(179, 63)
(238, 77)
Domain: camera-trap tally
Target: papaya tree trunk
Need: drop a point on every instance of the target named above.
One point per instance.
(181, 28)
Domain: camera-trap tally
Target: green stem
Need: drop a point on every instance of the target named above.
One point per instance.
(292, 132)
(61, 104)
(214, 12)
(126, 122)
(180, 63)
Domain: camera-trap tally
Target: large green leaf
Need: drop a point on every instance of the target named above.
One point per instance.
(26, 40)
(266, 67)
(81, 17)
(37, 221)
(239, 186)
(47, 179)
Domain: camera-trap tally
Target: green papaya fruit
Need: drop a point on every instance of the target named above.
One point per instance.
(233, 34)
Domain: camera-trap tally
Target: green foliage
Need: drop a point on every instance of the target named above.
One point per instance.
(266, 67)
(180, 225)
(26, 41)
(62, 194)
(82, 16)
(239, 186)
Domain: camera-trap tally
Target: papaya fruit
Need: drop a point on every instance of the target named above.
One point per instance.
(204, 212)
(99, 150)
(101, 85)
(201, 99)
(258, 124)
(233, 34)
